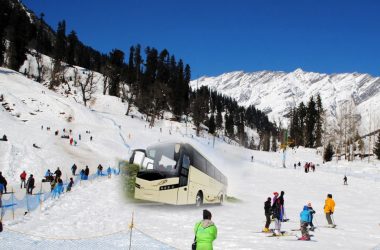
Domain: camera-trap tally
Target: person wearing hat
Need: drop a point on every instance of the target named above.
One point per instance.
(312, 212)
(329, 209)
(277, 214)
(30, 184)
(205, 232)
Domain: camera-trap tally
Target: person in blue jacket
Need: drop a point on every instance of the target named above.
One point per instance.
(305, 217)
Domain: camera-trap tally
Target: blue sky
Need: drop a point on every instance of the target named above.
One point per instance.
(329, 36)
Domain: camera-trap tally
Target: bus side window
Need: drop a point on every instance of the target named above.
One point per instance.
(199, 162)
(184, 171)
(210, 170)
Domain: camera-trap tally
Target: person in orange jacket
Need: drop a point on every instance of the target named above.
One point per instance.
(329, 209)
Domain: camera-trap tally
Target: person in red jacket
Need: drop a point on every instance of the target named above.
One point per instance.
(23, 179)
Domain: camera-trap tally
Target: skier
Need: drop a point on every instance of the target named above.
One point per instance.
(23, 178)
(3, 184)
(329, 209)
(276, 209)
(30, 184)
(268, 212)
(281, 198)
(74, 169)
(312, 212)
(345, 180)
(305, 220)
(70, 185)
(205, 232)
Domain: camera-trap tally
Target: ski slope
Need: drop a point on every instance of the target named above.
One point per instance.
(99, 208)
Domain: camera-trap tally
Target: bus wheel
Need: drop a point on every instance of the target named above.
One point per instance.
(199, 199)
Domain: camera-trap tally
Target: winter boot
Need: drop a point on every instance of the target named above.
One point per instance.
(304, 237)
(266, 230)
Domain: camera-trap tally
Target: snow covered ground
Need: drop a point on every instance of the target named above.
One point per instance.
(99, 208)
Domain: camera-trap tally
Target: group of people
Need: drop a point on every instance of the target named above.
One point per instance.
(275, 208)
(28, 184)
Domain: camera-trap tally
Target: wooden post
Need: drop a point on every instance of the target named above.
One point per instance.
(130, 235)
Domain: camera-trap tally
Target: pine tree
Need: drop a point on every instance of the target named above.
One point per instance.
(211, 124)
(319, 122)
(310, 123)
(329, 152)
(72, 47)
(301, 112)
(376, 149)
(4, 12)
(116, 64)
(60, 43)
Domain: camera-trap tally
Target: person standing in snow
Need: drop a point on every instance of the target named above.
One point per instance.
(100, 169)
(90, 138)
(281, 198)
(312, 212)
(23, 179)
(329, 209)
(305, 220)
(3, 184)
(58, 174)
(80, 137)
(70, 185)
(277, 214)
(268, 213)
(86, 172)
(30, 184)
(205, 232)
(109, 170)
(345, 180)
(74, 169)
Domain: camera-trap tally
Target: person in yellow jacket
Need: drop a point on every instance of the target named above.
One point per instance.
(329, 209)
(205, 232)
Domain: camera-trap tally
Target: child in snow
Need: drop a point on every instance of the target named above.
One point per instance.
(268, 212)
(305, 217)
(329, 209)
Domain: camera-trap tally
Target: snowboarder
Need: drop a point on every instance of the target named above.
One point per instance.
(3, 184)
(305, 220)
(23, 179)
(70, 185)
(268, 213)
(312, 212)
(345, 180)
(205, 232)
(30, 184)
(74, 169)
(276, 209)
(329, 210)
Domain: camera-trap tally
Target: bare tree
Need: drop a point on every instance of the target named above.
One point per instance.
(88, 87)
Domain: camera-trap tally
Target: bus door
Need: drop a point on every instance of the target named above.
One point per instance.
(183, 189)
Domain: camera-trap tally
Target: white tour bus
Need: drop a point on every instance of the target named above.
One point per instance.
(176, 173)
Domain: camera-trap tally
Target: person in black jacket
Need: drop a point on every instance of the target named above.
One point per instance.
(30, 184)
(3, 183)
(281, 198)
(277, 214)
(86, 171)
(58, 174)
(268, 213)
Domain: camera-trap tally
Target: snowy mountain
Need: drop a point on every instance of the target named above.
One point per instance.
(275, 93)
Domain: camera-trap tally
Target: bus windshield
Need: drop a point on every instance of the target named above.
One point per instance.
(163, 159)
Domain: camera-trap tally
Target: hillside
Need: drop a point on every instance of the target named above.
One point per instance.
(275, 93)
